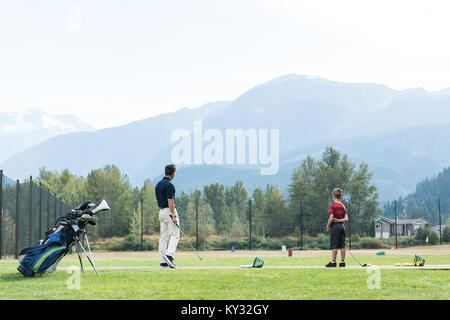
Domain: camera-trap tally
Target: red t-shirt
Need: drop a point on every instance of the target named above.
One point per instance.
(338, 209)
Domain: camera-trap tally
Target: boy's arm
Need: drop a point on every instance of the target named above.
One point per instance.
(330, 220)
(345, 219)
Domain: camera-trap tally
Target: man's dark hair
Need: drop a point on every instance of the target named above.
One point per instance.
(337, 193)
(170, 169)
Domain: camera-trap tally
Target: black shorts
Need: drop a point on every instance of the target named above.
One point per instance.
(337, 236)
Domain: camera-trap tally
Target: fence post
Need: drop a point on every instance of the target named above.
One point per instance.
(349, 224)
(301, 225)
(196, 220)
(142, 224)
(16, 242)
(1, 212)
(40, 209)
(30, 218)
(56, 203)
(48, 210)
(250, 221)
(440, 223)
(395, 211)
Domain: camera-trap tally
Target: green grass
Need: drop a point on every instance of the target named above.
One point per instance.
(229, 284)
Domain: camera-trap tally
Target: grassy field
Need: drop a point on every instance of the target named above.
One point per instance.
(136, 275)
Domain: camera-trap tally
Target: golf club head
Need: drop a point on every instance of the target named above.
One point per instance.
(103, 206)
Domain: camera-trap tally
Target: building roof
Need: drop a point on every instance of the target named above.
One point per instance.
(381, 218)
(412, 221)
(402, 221)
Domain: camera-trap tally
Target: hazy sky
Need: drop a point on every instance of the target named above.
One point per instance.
(112, 62)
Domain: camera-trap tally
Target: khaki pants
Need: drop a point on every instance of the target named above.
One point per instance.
(168, 230)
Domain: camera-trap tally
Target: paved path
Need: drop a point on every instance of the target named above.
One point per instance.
(426, 267)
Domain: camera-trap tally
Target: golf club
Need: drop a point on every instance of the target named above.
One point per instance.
(362, 265)
(198, 256)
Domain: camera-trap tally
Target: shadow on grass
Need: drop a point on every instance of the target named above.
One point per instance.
(17, 276)
(12, 277)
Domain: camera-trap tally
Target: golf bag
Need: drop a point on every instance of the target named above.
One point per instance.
(45, 255)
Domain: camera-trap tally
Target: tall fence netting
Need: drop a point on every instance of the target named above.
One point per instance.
(28, 210)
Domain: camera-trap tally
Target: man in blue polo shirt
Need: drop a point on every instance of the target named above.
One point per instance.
(168, 218)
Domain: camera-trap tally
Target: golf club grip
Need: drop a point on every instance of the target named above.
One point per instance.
(171, 217)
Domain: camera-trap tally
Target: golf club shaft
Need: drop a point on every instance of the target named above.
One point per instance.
(353, 257)
(187, 240)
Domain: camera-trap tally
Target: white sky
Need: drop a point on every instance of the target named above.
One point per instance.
(129, 60)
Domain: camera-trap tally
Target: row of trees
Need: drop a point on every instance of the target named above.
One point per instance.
(107, 183)
(313, 182)
(224, 210)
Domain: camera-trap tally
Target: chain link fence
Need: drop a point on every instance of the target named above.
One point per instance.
(288, 229)
(27, 211)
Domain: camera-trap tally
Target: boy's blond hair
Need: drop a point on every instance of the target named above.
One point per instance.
(337, 193)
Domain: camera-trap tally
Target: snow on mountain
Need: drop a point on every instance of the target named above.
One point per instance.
(19, 131)
(36, 119)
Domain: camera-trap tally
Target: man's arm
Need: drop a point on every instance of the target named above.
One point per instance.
(170, 194)
(172, 210)
(330, 220)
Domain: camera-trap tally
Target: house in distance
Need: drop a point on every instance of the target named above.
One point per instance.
(385, 227)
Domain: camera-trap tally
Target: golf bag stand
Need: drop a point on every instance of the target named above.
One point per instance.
(80, 250)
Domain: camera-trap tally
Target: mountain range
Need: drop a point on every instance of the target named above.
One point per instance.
(19, 131)
(402, 135)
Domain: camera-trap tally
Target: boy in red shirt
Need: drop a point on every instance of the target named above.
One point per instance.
(335, 226)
